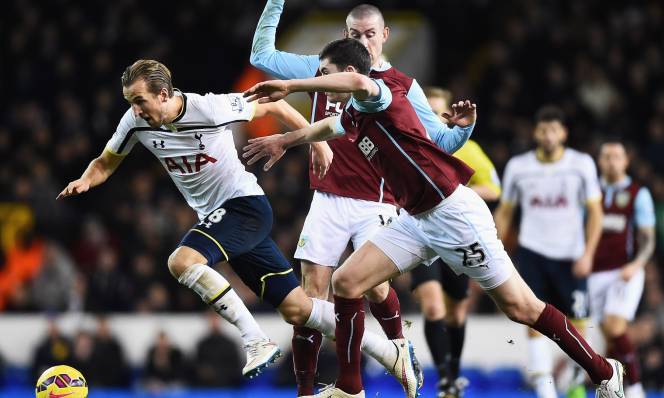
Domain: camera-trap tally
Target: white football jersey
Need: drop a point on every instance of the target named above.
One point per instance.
(552, 197)
(197, 149)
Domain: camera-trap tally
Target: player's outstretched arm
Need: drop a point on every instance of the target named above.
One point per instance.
(95, 174)
(274, 146)
(362, 87)
(320, 151)
(265, 56)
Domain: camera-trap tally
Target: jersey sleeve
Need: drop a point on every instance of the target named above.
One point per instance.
(644, 209)
(485, 172)
(510, 193)
(230, 108)
(267, 58)
(592, 191)
(447, 139)
(124, 138)
(375, 104)
(339, 129)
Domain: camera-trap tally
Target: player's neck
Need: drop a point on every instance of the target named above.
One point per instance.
(174, 108)
(614, 179)
(549, 157)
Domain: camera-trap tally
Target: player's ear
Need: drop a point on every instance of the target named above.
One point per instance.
(386, 33)
(346, 33)
(350, 68)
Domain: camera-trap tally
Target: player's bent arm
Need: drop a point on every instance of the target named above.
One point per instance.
(645, 237)
(448, 139)
(503, 218)
(321, 153)
(97, 172)
(265, 56)
(274, 146)
(594, 217)
(361, 86)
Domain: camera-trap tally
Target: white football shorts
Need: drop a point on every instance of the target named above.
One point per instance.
(611, 295)
(460, 230)
(333, 221)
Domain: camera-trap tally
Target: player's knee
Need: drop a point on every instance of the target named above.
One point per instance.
(522, 311)
(432, 311)
(176, 265)
(295, 316)
(344, 285)
(613, 327)
(456, 312)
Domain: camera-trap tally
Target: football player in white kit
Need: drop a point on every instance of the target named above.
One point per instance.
(190, 135)
(553, 186)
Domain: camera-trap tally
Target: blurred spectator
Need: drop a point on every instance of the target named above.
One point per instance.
(108, 289)
(165, 367)
(111, 369)
(53, 288)
(83, 356)
(55, 349)
(218, 362)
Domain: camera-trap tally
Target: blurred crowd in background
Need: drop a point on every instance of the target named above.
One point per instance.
(106, 251)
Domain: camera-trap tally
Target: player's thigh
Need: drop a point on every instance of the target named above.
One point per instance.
(367, 267)
(233, 229)
(462, 233)
(598, 287)
(623, 297)
(326, 231)
(316, 279)
(571, 293)
(367, 218)
(266, 271)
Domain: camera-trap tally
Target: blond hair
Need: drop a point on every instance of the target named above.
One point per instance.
(438, 92)
(155, 74)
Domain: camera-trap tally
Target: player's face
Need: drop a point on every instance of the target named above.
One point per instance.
(371, 32)
(439, 106)
(325, 69)
(550, 136)
(145, 104)
(613, 161)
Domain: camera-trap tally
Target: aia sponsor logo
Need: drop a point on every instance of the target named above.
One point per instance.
(188, 164)
(549, 202)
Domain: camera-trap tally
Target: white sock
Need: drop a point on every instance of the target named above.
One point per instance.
(215, 291)
(322, 319)
(540, 367)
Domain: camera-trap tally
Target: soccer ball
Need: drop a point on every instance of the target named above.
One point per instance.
(61, 381)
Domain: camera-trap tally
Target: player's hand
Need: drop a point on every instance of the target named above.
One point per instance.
(582, 266)
(321, 158)
(463, 113)
(270, 146)
(75, 187)
(629, 270)
(269, 91)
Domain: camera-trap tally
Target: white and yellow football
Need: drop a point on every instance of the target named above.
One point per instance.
(61, 381)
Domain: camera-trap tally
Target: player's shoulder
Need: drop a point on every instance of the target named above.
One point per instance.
(392, 76)
(207, 107)
(578, 158)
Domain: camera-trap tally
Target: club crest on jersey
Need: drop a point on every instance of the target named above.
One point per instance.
(236, 103)
(367, 147)
(303, 241)
(622, 199)
(199, 137)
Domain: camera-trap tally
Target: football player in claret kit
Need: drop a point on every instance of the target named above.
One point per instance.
(441, 216)
(442, 294)
(627, 243)
(352, 202)
(190, 135)
(558, 192)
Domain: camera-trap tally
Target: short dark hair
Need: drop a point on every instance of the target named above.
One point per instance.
(347, 52)
(550, 113)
